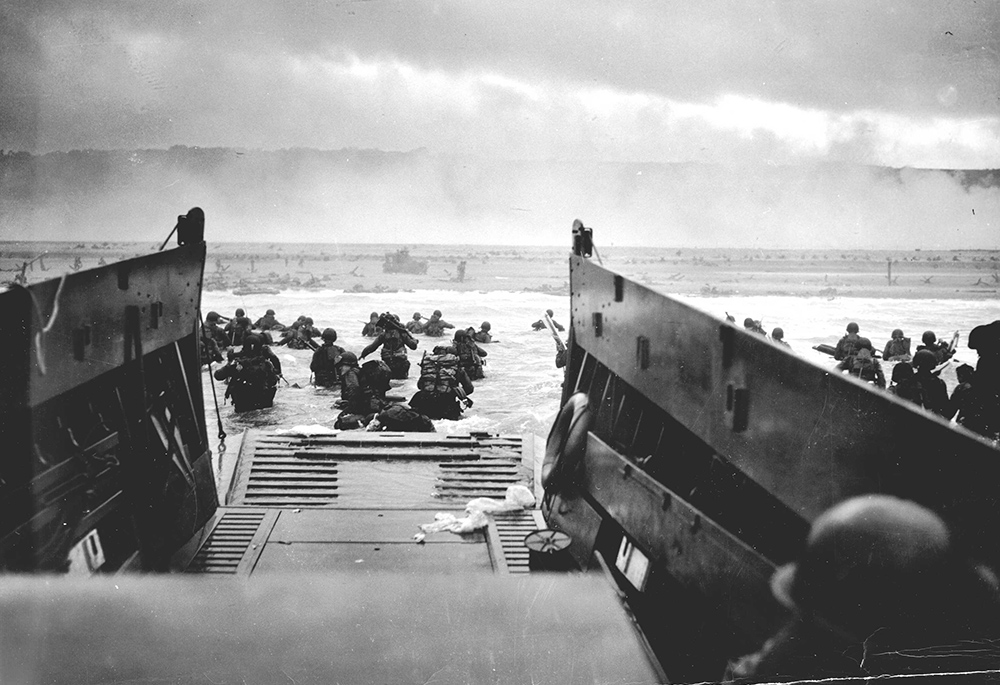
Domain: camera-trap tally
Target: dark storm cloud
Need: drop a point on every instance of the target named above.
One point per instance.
(833, 55)
(19, 56)
(897, 83)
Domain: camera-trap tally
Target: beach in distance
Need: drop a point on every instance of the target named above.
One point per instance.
(722, 272)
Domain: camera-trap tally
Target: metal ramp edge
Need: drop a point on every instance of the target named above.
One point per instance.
(285, 471)
(505, 537)
(234, 543)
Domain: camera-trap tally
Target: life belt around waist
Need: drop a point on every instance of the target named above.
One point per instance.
(567, 441)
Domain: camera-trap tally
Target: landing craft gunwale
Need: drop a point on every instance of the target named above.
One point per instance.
(104, 428)
(710, 451)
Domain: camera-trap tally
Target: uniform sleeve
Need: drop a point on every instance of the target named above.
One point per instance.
(467, 385)
(373, 346)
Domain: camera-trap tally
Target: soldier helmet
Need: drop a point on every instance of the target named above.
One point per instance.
(924, 359)
(416, 316)
(212, 316)
(373, 316)
(852, 327)
(868, 559)
(928, 337)
(269, 312)
(965, 373)
(347, 359)
(330, 334)
(901, 371)
(240, 312)
(748, 322)
(252, 342)
(308, 321)
(777, 334)
(985, 338)
(549, 312)
(485, 326)
(437, 313)
(897, 333)
(864, 344)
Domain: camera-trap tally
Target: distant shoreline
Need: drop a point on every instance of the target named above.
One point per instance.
(916, 274)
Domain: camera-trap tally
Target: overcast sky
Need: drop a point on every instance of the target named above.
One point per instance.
(889, 83)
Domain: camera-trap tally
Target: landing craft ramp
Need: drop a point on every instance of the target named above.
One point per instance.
(338, 590)
(354, 501)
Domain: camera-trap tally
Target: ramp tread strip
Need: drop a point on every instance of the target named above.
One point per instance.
(227, 544)
(511, 529)
(284, 471)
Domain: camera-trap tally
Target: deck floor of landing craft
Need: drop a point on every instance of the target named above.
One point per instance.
(356, 501)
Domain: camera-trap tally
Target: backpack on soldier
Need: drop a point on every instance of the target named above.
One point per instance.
(438, 372)
(468, 356)
(374, 376)
(864, 368)
(257, 372)
(396, 417)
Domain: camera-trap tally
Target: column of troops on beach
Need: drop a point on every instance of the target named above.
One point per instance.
(445, 375)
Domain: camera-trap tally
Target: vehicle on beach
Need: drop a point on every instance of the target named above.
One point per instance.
(401, 262)
(685, 466)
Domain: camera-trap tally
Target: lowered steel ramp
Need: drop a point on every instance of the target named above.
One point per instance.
(355, 501)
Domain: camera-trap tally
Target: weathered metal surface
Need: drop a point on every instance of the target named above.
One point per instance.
(507, 532)
(332, 507)
(730, 575)
(85, 314)
(370, 557)
(321, 628)
(229, 542)
(389, 526)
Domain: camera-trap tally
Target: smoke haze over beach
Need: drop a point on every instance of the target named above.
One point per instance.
(369, 196)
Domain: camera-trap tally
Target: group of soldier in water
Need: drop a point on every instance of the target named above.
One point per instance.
(447, 374)
(444, 384)
(975, 401)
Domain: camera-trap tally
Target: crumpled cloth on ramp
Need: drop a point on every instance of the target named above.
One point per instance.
(517, 497)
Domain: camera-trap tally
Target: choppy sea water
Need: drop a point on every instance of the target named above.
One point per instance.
(522, 389)
(519, 395)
